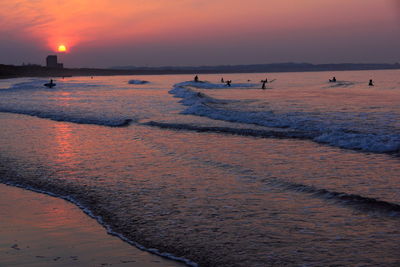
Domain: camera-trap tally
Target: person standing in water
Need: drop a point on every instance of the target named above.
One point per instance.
(196, 78)
(222, 80)
(371, 83)
(263, 84)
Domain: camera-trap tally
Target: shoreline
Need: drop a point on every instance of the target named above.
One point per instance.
(40, 229)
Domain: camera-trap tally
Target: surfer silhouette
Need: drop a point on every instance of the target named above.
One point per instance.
(228, 83)
(333, 80)
(196, 78)
(263, 84)
(51, 84)
(371, 83)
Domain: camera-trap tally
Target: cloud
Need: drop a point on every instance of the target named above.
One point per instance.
(104, 22)
(76, 21)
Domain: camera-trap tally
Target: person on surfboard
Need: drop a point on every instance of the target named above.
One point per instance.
(51, 84)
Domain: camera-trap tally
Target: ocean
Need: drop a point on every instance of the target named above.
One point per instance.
(302, 173)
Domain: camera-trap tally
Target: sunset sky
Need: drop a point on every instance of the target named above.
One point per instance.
(104, 33)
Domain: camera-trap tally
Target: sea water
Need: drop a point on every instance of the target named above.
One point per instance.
(302, 173)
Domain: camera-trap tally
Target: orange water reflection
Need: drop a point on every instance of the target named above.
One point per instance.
(63, 99)
(64, 140)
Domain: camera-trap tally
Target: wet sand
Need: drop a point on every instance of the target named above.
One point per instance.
(40, 230)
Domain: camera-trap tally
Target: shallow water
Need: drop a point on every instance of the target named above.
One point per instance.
(60, 234)
(198, 172)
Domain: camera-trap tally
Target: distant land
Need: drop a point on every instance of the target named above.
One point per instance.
(12, 71)
(274, 67)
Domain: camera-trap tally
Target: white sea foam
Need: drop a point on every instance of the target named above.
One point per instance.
(33, 84)
(339, 84)
(38, 84)
(209, 85)
(336, 129)
(138, 82)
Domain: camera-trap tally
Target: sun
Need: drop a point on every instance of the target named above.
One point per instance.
(62, 48)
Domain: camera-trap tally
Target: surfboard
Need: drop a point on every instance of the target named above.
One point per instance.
(271, 81)
(50, 85)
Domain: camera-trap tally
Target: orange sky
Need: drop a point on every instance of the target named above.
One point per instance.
(108, 25)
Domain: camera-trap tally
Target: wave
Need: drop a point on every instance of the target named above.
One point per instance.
(38, 84)
(32, 84)
(138, 82)
(63, 117)
(209, 85)
(44, 105)
(365, 204)
(342, 131)
(227, 130)
(58, 113)
(339, 133)
(341, 84)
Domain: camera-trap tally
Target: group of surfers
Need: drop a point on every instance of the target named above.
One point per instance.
(333, 80)
(51, 84)
(263, 82)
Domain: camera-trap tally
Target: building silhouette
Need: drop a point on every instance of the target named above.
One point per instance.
(52, 62)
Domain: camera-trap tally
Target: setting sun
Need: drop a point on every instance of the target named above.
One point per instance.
(62, 48)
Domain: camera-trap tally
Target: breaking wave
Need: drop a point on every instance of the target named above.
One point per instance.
(365, 204)
(80, 119)
(341, 84)
(321, 128)
(138, 82)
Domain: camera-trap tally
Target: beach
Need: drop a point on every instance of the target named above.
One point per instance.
(302, 173)
(40, 230)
